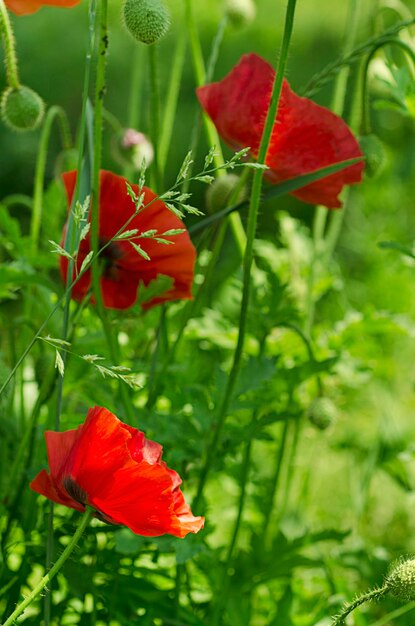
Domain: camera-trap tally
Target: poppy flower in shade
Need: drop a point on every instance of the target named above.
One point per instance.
(24, 7)
(113, 468)
(122, 266)
(305, 136)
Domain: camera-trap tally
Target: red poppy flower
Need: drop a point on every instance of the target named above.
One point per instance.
(113, 468)
(305, 136)
(123, 266)
(24, 7)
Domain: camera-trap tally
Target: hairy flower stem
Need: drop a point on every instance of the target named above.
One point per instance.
(55, 112)
(375, 594)
(155, 116)
(255, 199)
(85, 519)
(210, 130)
(6, 31)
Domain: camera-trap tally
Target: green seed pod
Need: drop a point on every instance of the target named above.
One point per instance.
(240, 12)
(401, 579)
(146, 20)
(374, 153)
(220, 191)
(21, 108)
(322, 412)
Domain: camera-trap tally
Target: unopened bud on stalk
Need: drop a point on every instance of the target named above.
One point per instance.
(21, 108)
(322, 412)
(219, 194)
(240, 12)
(146, 20)
(374, 153)
(131, 148)
(400, 581)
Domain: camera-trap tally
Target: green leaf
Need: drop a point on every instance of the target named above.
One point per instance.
(394, 245)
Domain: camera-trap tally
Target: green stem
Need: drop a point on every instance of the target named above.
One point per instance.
(55, 112)
(169, 112)
(249, 256)
(375, 594)
(275, 481)
(85, 519)
(155, 116)
(134, 100)
(12, 72)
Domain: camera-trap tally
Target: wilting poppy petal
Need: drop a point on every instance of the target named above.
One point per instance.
(24, 7)
(124, 266)
(112, 467)
(305, 136)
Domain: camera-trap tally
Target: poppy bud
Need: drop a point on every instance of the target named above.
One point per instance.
(240, 12)
(401, 580)
(134, 148)
(374, 153)
(146, 20)
(21, 108)
(219, 193)
(322, 412)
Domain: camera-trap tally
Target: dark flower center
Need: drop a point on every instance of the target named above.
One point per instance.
(109, 258)
(74, 490)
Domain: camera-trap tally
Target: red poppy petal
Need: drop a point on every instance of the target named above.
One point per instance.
(238, 104)
(305, 137)
(106, 445)
(44, 484)
(59, 446)
(308, 137)
(69, 180)
(142, 449)
(141, 497)
(126, 267)
(185, 520)
(24, 7)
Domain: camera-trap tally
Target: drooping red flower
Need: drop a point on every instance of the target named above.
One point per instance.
(113, 468)
(24, 7)
(305, 136)
(122, 266)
